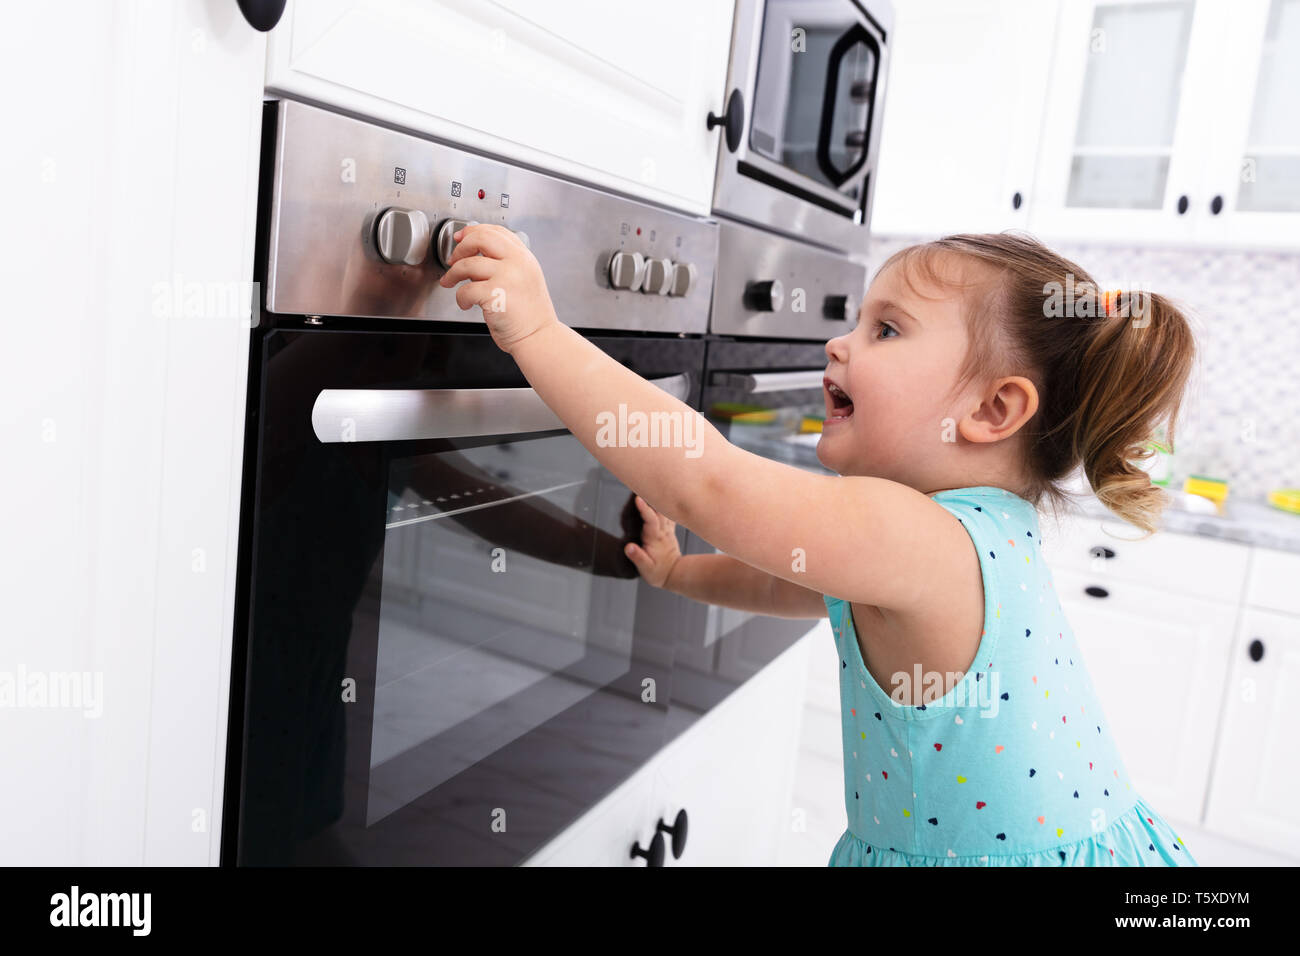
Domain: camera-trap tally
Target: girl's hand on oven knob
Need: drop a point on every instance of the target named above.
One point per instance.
(506, 282)
(658, 552)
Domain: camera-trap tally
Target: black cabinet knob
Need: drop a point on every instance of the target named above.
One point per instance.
(1015, 201)
(1101, 551)
(654, 855)
(1182, 205)
(1216, 205)
(262, 14)
(1093, 591)
(734, 119)
(1256, 649)
(677, 831)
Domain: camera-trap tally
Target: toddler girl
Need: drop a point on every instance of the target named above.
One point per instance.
(983, 371)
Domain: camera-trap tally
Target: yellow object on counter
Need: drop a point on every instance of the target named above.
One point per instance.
(1213, 488)
(810, 424)
(1288, 499)
(739, 413)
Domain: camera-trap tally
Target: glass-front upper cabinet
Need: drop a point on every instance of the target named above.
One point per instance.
(1270, 174)
(1173, 121)
(1256, 172)
(1127, 105)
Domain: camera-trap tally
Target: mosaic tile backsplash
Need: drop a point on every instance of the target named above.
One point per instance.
(1241, 416)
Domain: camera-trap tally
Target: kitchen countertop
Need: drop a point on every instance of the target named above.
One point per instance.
(1245, 520)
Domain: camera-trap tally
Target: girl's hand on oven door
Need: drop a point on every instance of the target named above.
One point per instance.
(658, 552)
(506, 282)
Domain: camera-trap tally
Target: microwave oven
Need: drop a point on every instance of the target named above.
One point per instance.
(802, 117)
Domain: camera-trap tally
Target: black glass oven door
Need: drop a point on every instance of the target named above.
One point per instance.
(448, 656)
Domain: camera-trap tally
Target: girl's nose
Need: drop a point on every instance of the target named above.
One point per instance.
(837, 348)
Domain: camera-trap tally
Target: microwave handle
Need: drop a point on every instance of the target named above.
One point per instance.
(752, 382)
(375, 414)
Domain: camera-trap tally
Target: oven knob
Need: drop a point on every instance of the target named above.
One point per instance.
(766, 296)
(841, 307)
(658, 276)
(684, 274)
(626, 270)
(446, 244)
(402, 236)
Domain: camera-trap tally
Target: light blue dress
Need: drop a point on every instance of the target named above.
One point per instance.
(1015, 765)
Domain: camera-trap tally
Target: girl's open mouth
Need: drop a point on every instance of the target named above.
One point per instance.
(840, 405)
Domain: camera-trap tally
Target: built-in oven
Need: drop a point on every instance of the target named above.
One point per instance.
(442, 654)
(802, 117)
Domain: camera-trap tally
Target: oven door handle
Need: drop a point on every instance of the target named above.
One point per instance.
(376, 414)
(751, 382)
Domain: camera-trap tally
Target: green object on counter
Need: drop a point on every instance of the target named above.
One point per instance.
(740, 413)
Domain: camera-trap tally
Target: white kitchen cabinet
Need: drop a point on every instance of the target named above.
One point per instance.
(1156, 659)
(140, 123)
(961, 130)
(578, 88)
(1201, 567)
(1256, 772)
(1173, 121)
(1254, 163)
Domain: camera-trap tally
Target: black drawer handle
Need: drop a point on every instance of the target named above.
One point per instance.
(1093, 591)
(677, 831)
(1182, 204)
(654, 856)
(1256, 649)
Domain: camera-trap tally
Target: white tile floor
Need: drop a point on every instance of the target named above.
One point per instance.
(819, 783)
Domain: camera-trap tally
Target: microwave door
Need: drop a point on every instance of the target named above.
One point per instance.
(815, 79)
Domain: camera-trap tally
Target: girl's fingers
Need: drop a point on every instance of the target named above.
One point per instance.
(484, 239)
(653, 519)
(473, 267)
(474, 293)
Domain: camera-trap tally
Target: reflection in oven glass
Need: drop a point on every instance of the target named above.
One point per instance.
(481, 641)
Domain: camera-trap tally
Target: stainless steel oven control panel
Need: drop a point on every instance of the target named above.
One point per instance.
(773, 287)
(362, 219)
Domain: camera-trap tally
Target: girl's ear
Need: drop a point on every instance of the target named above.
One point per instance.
(1010, 403)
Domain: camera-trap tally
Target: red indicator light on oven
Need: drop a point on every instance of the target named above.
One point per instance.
(481, 194)
(638, 230)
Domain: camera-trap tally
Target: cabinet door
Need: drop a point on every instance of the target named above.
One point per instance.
(1157, 661)
(574, 87)
(1253, 178)
(1123, 151)
(1252, 795)
(967, 81)
(733, 771)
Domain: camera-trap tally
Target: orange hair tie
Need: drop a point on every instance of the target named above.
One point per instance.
(1110, 300)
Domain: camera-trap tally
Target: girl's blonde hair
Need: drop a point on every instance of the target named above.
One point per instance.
(1106, 377)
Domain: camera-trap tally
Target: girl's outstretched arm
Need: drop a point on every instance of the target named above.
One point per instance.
(862, 539)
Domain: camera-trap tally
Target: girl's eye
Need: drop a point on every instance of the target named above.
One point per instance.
(886, 325)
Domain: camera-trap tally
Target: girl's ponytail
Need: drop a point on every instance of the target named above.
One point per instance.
(1133, 368)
